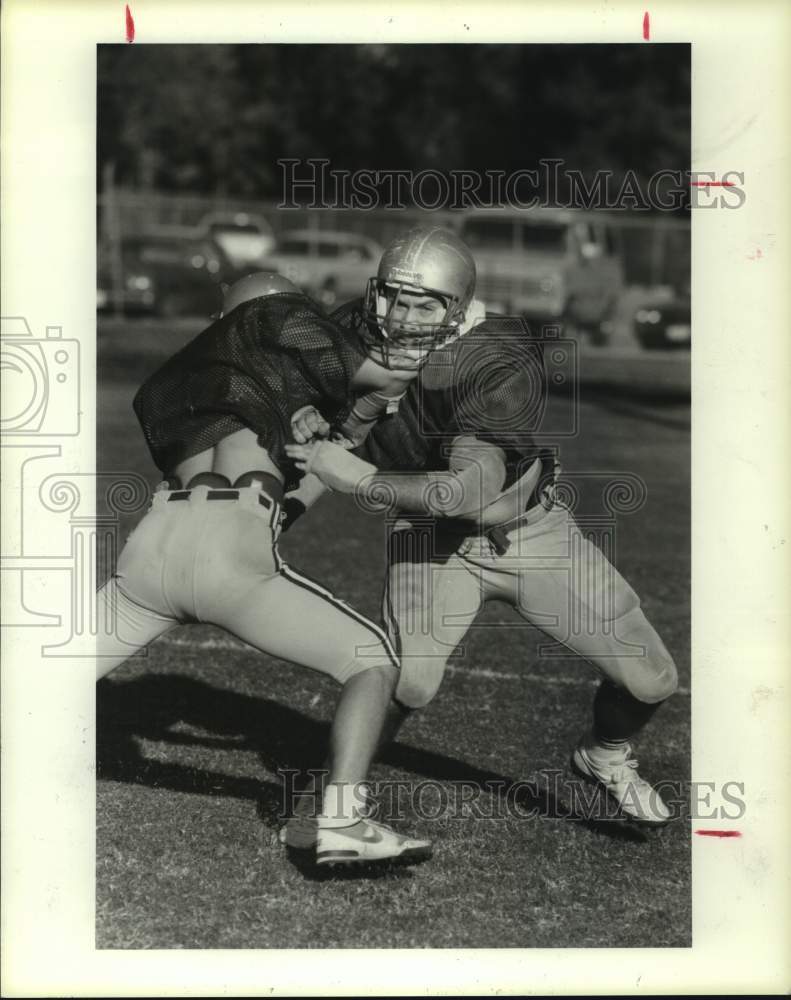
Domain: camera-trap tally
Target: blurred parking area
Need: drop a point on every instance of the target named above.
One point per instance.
(617, 283)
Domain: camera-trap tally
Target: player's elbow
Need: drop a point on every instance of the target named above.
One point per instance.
(475, 488)
(454, 496)
(476, 497)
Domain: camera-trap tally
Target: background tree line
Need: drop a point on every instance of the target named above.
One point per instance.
(215, 119)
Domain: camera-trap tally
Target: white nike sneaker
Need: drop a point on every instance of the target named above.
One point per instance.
(637, 800)
(366, 841)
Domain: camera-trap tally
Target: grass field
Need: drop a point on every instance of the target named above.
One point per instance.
(191, 737)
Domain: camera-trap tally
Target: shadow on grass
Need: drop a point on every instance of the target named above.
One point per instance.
(305, 864)
(149, 708)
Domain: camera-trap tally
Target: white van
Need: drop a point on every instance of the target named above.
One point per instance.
(550, 265)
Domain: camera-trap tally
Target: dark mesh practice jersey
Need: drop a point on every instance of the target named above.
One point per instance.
(490, 384)
(252, 368)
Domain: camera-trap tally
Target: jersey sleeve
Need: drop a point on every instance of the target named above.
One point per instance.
(328, 357)
(301, 358)
(252, 368)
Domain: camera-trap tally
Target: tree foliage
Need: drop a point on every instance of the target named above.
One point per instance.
(216, 118)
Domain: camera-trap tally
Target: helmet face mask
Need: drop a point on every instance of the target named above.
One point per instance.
(418, 299)
(401, 342)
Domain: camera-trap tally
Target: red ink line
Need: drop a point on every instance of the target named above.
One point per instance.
(646, 26)
(718, 833)
(130, 25)
(706, 184)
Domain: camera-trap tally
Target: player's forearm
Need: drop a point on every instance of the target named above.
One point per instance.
(475, 476)
(300, 500)
(367, 412)
(439, 494)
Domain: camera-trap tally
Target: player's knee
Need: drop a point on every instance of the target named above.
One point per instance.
(383, 673)
(656, 678)
(418, 682)
(666, 682)
(651, 676)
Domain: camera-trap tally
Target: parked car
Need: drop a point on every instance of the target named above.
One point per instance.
(663, 323)
(245, 239)
(551, 265)
(164, 275)
(331, 266)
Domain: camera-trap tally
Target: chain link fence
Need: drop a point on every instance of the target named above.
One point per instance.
(653, 253)
(655, 250)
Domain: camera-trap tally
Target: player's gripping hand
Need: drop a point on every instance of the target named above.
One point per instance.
(336, 467)
(307, 424)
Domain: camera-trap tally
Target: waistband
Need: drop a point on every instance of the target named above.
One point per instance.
(252, 490)
(265, 481)
(539, 504)
(498, 535)
(262, 498)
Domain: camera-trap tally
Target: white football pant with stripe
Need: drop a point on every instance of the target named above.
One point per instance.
(198, 557)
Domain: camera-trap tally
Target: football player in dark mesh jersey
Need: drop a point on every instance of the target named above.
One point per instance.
(478, 516)
(216, 417)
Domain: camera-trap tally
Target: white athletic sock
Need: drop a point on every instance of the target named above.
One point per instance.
(344, 803)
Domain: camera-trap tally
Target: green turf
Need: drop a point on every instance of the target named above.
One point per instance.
(191, 737)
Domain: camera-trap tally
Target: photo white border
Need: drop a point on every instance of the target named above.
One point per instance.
(741, 442)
